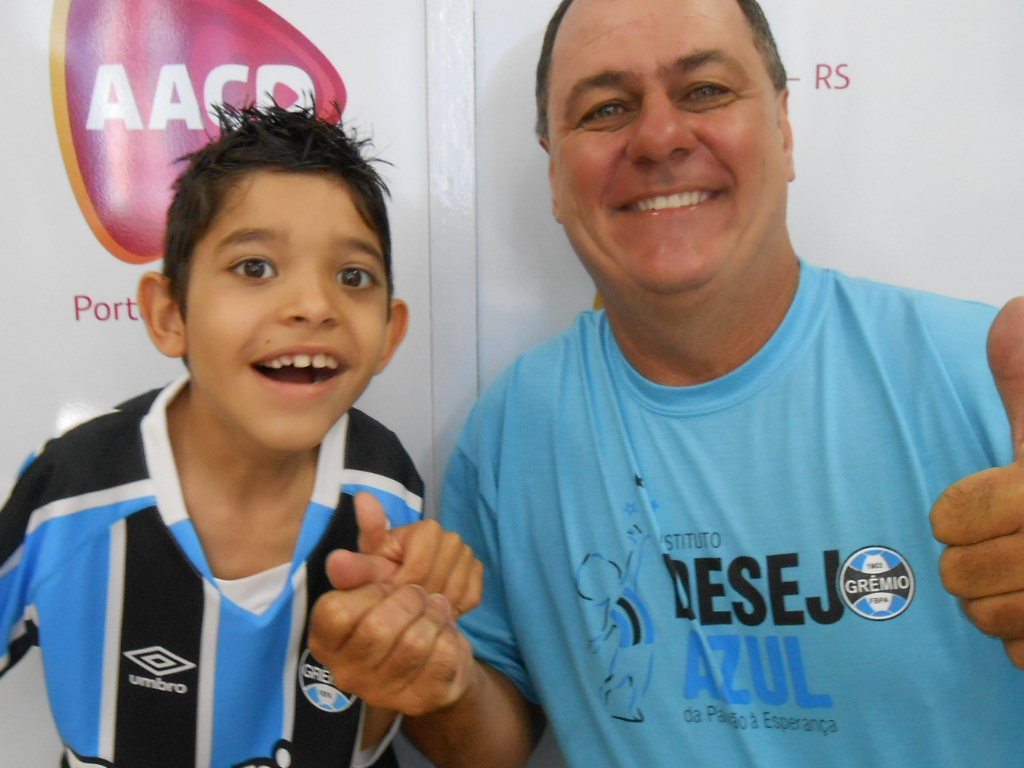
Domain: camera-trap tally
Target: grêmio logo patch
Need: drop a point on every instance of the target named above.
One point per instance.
(132, 81)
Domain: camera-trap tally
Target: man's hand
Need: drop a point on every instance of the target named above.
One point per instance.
(981, 517)
(388, 632)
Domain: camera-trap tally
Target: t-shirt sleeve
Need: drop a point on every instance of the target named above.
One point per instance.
(467, 508)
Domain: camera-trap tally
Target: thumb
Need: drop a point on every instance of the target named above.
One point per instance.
(375, 537)
(349, 570)
(1006, 360)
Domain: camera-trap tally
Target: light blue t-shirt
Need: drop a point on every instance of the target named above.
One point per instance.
(742, 573)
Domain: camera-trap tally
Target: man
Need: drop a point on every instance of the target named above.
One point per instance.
(703, 511)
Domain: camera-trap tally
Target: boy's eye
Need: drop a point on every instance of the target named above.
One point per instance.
(256, 269)
(355, 277)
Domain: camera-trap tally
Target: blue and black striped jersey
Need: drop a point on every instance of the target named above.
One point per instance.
(147, 663)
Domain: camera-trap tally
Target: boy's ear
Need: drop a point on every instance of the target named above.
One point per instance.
(162, 314)
(398, 324)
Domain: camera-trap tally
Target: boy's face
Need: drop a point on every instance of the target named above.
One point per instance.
(288, 313)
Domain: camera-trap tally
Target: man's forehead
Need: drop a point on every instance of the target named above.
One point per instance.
(590, 27)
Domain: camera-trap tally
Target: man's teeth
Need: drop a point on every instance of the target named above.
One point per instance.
(319, 360)
(679, 200)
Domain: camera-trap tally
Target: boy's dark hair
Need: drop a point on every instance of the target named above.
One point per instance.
(268, 138)
(763, 39)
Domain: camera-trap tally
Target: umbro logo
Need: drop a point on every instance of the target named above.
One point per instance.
(159, 661)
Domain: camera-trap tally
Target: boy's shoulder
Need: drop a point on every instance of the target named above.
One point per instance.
(372, 447)
(106, 430)
(104, 451)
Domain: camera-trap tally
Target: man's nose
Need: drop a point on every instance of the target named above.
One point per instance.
(661, 131)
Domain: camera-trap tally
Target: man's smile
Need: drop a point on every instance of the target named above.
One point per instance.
(668, 202)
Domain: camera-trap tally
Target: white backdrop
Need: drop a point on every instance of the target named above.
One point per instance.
(908, 170)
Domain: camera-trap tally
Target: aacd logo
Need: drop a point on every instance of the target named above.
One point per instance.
(877, 583)
(132, 83)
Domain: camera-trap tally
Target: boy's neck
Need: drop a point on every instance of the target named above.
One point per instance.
(247, 507)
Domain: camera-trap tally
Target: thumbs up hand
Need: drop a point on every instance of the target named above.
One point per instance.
(981, 518)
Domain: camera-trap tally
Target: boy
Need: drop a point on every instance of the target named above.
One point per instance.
(165, 556)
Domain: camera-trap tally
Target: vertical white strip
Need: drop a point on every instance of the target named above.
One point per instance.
(205, 711)
(300, 584)
(451, 127)
(112, 646)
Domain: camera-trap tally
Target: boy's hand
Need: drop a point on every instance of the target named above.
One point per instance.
(388, 631)
(422, 553)
(981, 517)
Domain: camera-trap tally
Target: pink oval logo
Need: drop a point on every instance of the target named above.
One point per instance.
(132, 83)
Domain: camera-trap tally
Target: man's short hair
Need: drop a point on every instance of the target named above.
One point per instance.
(763, 39)
(268, 138)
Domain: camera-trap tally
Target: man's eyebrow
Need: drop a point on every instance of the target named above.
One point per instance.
(687, 64)
(608, 79)
(620, 78)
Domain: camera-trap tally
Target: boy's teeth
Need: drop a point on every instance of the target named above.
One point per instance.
(323, 361)
(319, 360)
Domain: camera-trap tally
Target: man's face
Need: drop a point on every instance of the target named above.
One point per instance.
(670, 150)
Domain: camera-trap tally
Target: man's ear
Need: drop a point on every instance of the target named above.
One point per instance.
(786, 129)
(545, 142)
(163, 317)
(398, 324)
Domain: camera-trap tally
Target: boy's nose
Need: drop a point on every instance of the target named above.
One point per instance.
(311, 301)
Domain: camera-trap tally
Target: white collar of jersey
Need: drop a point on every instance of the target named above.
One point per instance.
(164, 472)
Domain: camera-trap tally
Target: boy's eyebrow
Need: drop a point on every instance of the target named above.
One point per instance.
(243, 236)
(258, 235)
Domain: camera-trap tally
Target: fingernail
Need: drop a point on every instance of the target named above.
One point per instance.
(439, 603)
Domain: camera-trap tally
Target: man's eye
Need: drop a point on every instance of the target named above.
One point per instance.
(256, 269)
(355, 277)
(604, 112)
(708, 92)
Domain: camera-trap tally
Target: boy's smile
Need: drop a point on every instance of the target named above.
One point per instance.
(287, 318)
(300, 368)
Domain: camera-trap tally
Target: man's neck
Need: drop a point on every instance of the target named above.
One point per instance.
(687, 341)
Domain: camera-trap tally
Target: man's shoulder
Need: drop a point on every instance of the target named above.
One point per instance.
(894, 313)
(877, 294)
(536, 365)
(532, 389)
